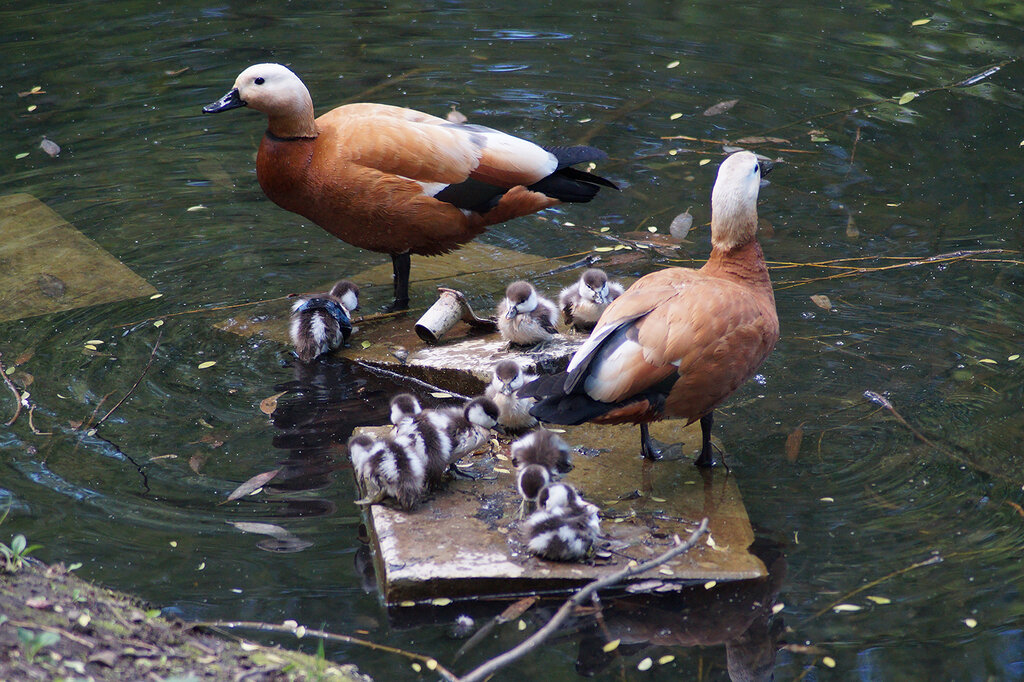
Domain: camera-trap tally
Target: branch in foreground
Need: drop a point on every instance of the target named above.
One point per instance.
(581, 596)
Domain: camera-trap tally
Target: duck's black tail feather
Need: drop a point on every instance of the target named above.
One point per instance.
(569, 409)
(571, 184)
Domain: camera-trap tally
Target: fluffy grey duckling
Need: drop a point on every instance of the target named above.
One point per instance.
(390, 467)
(322, 322)
(526, 318)
(513, 412)
(446, 434)
(544, 448)
(565, 527)
(583, 302)
(530, 480)
(404, 406)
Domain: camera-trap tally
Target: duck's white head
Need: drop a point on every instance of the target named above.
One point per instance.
(508, 377)
(734, 201)
(482, 412)
(277, 92)
(522, 299)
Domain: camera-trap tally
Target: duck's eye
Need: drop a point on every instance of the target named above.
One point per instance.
(259, 80)
(757, 167)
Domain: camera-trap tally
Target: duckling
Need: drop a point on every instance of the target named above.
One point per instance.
(323, 322)
(530, 480)
(583, 302)
(679, 341)
(404, 407)
(395, 180)
(565, 527)
(390, 467)
(446, 434)
(544, 448)
(524, 317)
(514, 412)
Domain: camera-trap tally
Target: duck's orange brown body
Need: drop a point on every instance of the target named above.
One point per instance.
(395, 180)
(679, 341)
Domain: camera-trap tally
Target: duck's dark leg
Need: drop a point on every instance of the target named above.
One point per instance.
(706, 458)
(647, 448)
(401, 264)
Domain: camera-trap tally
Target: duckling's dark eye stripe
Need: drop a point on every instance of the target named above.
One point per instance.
(259, 80)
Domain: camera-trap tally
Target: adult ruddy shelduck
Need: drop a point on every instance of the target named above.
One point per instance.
(679, 341)
(395, 180)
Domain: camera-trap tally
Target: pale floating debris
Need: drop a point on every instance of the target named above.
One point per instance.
(622, 247)
(970, 622)
(49, 146)
(201, 566)
(568, 224)
(155, 296)
(675, 116)
(431, 664)
(441, 601)
(611, 646)
(665, 570)
(95, 342)
(602, 249)
(988, 361)
(591, 166)
(632, 563)
(407, 603)
(894, 205)
(207, 364)
(920, 22)
(822, 301)
(645, 664)
(557, 430)
(878, 600)
(366, 344)
(32, 107)
(193, 209)
(503, 458)
(721, 107)
(84, 619)
(605, 229)
(1015, 356)
(711, 541)
(522, 625)
(158, 323)
(652, 229)
(667, 658)
(22, 155)
(300, 632)
(268, 405)
(417, 667)
(441, 394)
(907, 97)
(619, 520)
(658, 499)
(778, 607)
(89, 346)
(828, 662)
(253, 484)
(499, 470)
(290, 624)
(173, 543)
(681, 224)
(673, 64)
(704, 162)
(827, 499)
(585, 120)
(709, 584)
(846, 608)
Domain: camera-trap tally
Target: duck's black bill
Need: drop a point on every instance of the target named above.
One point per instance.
(229, 101)
(766, 166)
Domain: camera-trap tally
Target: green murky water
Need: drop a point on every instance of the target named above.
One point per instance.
(854, 498)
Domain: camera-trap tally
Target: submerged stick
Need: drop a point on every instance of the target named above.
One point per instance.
(14, 390)
(867, 586)
(583, 595)
(137, 381)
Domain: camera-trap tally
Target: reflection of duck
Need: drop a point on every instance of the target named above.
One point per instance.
(524, 317)
(544, 448)
(565, 526)
(323, 322)
(392, 467)
(678, 342)
(514, 412)
(583, 302)
(398, 181)
(446, 434)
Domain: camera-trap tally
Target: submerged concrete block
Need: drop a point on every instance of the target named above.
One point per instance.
(47, 266)
(466, 540)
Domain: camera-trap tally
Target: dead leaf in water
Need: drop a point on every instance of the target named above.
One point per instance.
(268, 405)
(50, 147)
(852, 231)
(681, 225)
(721, 107)
(517, 609)
(24, 357)
(196, 462)
(761, 139)
(793, 442)
(822, 301)
(253, 484)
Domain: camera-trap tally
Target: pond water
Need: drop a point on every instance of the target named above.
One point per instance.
(855, 497)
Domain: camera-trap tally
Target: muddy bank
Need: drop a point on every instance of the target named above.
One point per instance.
(54, 625)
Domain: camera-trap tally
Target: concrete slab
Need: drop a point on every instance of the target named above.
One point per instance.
(465, 541)
(47, 266)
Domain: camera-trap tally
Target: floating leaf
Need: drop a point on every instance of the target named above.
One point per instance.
(970, 622)
(920, 22)
(417, 667)
(499, 470)
(879, 600)
(521, 626)
(777, 608)
(158, 323)
(672, 64)
(793, 441)
(407, 603)
(658, 499)
(517, 609)
(193, 209)
(268, 405)
(852, 231)
(602, 249)
(1013, 357)
(721, 107)
(366, 344)
(709, 584)
(675, 116)
(668, 658)
(585, 120)
(846, 608)
(907, 97)
(652, 228)
(89, 346)
(431, 664)
(441, 601)
(261, 528)
(32, 107)
(822, 301)
(568, 224)
(828, 662)
(645, 664)
(440, 394)
(50, 147)
(206, 365)
(253, 484)
(681, 224)
(611, 646)
(827, 499)
(155, 296)
(988, 361)
(604, 229)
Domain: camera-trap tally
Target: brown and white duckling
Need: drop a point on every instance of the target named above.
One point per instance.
(404, 407)
(514, 412)
(583, 302)
(544, 448)
(390, 467)
(565, 527)
(447, 434)
(530, 480)
(526, 318)
(322, 322)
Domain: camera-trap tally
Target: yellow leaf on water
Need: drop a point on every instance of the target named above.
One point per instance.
(920, 22)
(585, 120)
(568, 224)
(704, 162)
(709, 584)
(604, 229)
(602, 249)
(658, 499)
(907, 97)
(366, 344)
(611, 646)
(155, 296)
(822, 301)
(440, 394)
(668, 658)
(988, 361)
(1013, 357)
(89, 346)
(499, 470)
(645, 664)
(846, 608)
(827, 499)
(521, 626)
(777, 608)
(970, 622)
(94, 342)
(672, 65)
(431, 664)
(32, 107)
(675, 116)
(878, 600)
(158, 323)
(207, 364)
(417, 667)
(441, 601)
(828, 662)
(652, 228)
(22, 155)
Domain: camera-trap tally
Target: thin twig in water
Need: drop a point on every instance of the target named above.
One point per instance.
(31, 410)
(14, 390)
(580, 597)
(867, 586)
(428, 661)
(137, 381)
